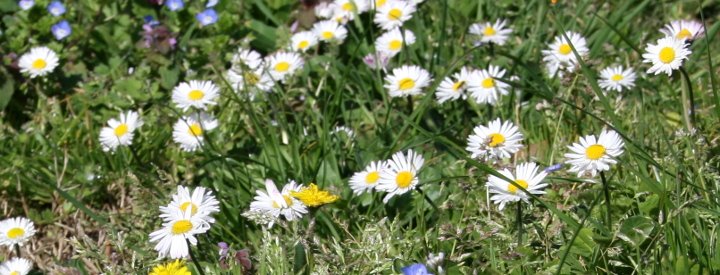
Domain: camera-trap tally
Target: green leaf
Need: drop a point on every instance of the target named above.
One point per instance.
(584, 244)
(635, 230)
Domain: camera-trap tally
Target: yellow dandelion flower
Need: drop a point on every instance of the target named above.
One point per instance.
(312, 196)
(173, 268)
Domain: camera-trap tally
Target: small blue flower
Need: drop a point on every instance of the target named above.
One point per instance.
(56, 8)
(554, 168)
(174, 5)
(150, 21)
(415, 269)
(61, 30)
(26, 4)
(207, 17)
(211, 3)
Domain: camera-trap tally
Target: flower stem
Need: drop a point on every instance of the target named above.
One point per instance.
(519, 222)
(195, 260)
(689, 107)
(606, 187)
(17, 251)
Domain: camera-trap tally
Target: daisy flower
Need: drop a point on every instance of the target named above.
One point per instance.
(325, 10)
(16, 231)
(303, 40)
(16, 266)
(560, 54)
(488, 32)
(526, 175)
(120, 132)
(617, 78)
(407, 80)
(175, 268)
(401, 174)
(376, 4)
(329, 30)
(201, 202)
(279, 203)
(189, 130)
(667, 55)
(684, 29)
(312, 196)
(391, 42)
(177, 227)
(246, 59)
(367, 179)
(258, 78)
(349, 8)
(486, 86)
(197, 94)
(498, 140)
(592, 155)
(393, 14)
(453, 87)
(282, 65)
(38, 62)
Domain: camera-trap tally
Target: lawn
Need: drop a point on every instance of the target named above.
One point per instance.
(359, 137)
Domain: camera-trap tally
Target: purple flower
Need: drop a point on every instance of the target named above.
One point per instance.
(554, 168)
(207, 17)
(61, 30)
(223, 249)
(376, 61)
(211, 3)
(56, 8)
(26, 4)
(415, 269)
(157, 37)
(175, 5)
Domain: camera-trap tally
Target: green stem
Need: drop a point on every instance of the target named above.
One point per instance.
(606, 188)
(519, 222)
(428, 199)
(194, 259)
(17, 251)
(689, 107)
(576, 233)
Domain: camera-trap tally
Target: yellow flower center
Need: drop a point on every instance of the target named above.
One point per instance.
(564, 49)
(488, 83)
(39, 64)
(395, 45)
(394, 14)
(684, 34)
(187, 204)
(196, 95)
(403, 179)
(181, 227)
(379, 3)
(121, 130)
(617, 77)
(349, 6)
(496, 139)
(303, 44)
(251, 78)
(328, 35)
(406, 84)
(15, 233)
(288, 202)
(372, 177)
(595, 151)
(513, 189)
(14, 273)
(282, 66)
(667, 55)
(195, 129)
(458, 85)
(489, 31)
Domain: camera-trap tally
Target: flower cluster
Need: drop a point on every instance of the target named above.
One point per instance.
(187, 215)
(291, 202)
(395, 176)
(16, 232)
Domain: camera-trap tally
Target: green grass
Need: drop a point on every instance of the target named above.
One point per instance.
(665, 207)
